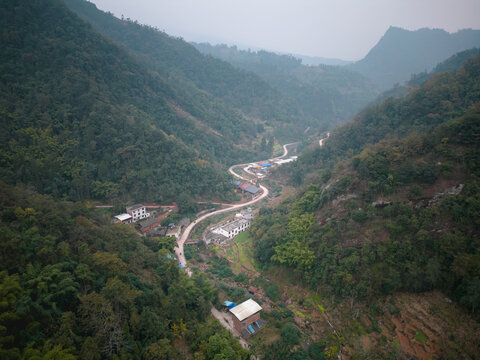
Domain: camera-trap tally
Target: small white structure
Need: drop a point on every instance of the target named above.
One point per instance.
(124, 218)
(174, 232)
(246, 214)
(286, 161)
(232, 229)
(137, 212)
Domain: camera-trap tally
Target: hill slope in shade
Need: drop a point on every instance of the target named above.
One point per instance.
(401, 53)
(180, 62)
(81, 118)
(390, 205)
(329, 94)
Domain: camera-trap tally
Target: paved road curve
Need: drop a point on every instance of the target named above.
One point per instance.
(186, 233)
(222, 317)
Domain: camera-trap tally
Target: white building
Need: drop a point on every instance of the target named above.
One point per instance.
(232, 229)
(174, 232)
(246, 214)
(137, 212)
(124, 218)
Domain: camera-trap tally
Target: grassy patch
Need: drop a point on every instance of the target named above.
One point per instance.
(298, 312)
(240, 253)
(316, 299)
(420, 337)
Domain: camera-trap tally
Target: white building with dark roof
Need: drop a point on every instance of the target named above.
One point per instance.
(232, 229)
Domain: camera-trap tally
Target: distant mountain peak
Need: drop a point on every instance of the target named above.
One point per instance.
(401, 53)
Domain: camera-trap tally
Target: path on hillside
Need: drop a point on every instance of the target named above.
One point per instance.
(321, 141)
(179, 249)
(186, 233)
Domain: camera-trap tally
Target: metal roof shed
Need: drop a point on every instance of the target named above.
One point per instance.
(252, 189)
(123, 217)
(245, 309)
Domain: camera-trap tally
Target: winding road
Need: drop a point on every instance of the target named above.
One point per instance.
(179, 249)
(186, 232)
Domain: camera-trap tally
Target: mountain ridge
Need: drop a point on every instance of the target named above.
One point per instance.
(401, 53)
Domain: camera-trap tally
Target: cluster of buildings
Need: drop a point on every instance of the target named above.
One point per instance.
(261, 169)
(134, 213)
(151, 225)
(247, 188)
(222, 234)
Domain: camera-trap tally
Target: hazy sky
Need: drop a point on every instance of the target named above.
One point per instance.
(345, 29)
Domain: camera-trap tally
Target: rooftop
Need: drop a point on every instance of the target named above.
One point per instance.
(234, 224)
(252, 189)
(245, 309)
(134, 207)
(218, 238)
(149, 221)
(123, 217)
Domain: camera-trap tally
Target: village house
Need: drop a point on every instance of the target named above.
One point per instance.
(246, 214)
(246, 318)
(149, 224)
(137, 212)
(232, 229)
(174, 231)
(123, 219)
(246, 187)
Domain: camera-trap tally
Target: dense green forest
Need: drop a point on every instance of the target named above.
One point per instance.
(401, 52)
(72, 285)
(453, 63)
(442, 98)
(392, 201)
(329, 94)
(179, 62)
(81, 118)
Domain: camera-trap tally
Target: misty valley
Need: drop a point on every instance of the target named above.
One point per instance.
(164, 199)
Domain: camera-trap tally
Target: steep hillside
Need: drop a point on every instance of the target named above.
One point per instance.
(81, 118)
(453, 63)
(330, 94)
(401, 53)
(391, 205)
(441, 99)
(178, 61)
(75, 286)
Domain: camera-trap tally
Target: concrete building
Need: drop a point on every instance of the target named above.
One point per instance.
(149, 224)
(175, 232)
(246, 214)
(246, 318)
(216, 238)
(232, 229)
(137, 212)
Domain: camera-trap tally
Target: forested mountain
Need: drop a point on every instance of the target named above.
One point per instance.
(82, 118)
(455, 62)
(401, 53)
(316, 60)
(180, 63)
(74, 286)
(330, 94)
(392, 200)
